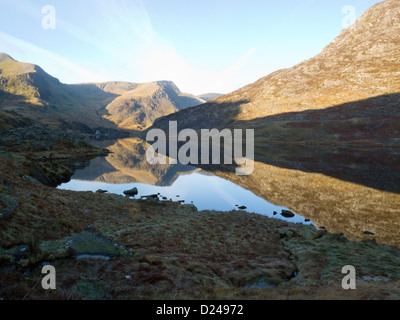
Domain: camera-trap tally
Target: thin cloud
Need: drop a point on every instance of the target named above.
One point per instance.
(53, 61)
(125, 46)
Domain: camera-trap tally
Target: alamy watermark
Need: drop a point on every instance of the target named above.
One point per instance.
(350, 16)
(49, 21)
(49, 280)
(349, 281)
(190, 153)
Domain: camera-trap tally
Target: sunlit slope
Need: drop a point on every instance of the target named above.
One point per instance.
(30, 91)
(349, 90)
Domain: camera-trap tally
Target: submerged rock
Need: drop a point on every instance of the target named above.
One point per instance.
(287, 214)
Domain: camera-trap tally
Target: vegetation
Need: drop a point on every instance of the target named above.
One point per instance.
(112, 247)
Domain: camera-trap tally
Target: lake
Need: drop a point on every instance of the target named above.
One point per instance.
(205, 191)
(127, 168)
(352, 192)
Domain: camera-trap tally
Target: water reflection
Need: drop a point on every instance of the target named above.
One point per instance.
(346, 193)
(127, 168)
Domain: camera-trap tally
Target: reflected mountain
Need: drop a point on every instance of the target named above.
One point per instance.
(127, 164)
(325, 186)
(347, 191)
(341, 207)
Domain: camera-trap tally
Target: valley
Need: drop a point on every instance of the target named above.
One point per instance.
(324, 191)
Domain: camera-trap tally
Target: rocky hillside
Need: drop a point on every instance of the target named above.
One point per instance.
(138, 105)
(209, 96)
(28, 90)
(350, 86)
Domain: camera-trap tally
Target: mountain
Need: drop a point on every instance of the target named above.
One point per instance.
(209, 96)
(135, 105)
(28, 90)
(347, 93)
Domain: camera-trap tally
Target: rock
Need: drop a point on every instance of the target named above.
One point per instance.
(31, 180)
(101, 191)
(307, 220)
(275, 213)
(369, 233)
(131, 193)
(242, 208)
(287, 214)
(152, 196)
(7, 206)
(88, 245)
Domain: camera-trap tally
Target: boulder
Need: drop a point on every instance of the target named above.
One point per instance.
(131, 193)
(287, 214)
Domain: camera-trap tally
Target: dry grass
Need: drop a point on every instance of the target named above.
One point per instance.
(171, 251)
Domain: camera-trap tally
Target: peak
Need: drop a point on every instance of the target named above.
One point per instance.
(166, 83)
(169, 87)
(4, 56)
(373, 35)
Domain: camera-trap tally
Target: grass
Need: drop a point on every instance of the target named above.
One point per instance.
(179, 253)
(171, 251)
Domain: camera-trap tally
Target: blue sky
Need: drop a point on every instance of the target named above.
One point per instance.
(203, 46)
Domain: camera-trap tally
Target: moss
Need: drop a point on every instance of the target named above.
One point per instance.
(91, 291)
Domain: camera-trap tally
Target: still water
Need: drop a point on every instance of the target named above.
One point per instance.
(203, 190)
(347, 191)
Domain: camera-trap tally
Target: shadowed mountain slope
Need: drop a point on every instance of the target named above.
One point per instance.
(27, 89)
(362, 62)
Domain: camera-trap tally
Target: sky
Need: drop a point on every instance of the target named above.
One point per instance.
(203, 46)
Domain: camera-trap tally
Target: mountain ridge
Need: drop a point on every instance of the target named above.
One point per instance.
(360, 64)
(30, 91)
